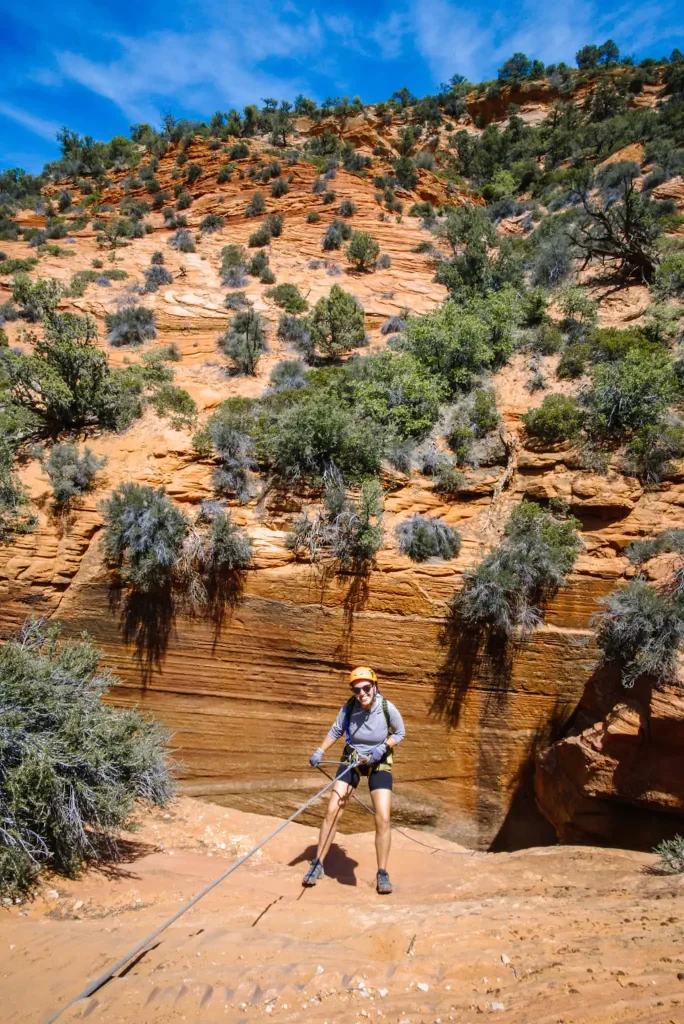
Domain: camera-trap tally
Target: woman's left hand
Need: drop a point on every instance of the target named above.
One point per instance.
(377, 753)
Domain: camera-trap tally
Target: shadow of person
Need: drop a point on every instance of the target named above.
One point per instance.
(338, 864)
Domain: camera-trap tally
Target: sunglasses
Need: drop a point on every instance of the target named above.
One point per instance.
(358, 690)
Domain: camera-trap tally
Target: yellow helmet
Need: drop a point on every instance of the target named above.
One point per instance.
(363, 672)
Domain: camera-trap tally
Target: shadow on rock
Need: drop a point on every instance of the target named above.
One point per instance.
(338, 864)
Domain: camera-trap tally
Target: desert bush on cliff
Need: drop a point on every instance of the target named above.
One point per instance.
(640, 551)
(71, 766)
(15, 514)
(630, 394)
(38, 299)
(132, 325)
(71, 474)
(288, 297)
(143, 535)
(336, 233)
(335, 326)
(176, 403)
(671, 853)
(559, 418)
(422, 538)
(156, 276)
(507, 589)
(362, 250)
(641, 631)
(460, 343)
(212, 222)
(182, 240)
(290, 373)
(233, 266)
(67, 382)
(256, 205)
(349, 530)
(245, 341)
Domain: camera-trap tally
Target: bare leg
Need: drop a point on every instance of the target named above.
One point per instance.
(339, 798)
(382, 805)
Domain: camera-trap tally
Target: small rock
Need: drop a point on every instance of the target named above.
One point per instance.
(422, 986)
(498, 1006)
(382, 992)
(505, 959)
(78, 904)
(319, 969)
(53, 894)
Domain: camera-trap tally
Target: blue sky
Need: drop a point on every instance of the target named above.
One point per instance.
(97, 67)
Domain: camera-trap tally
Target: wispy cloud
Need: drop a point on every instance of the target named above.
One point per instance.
(38, 125)
(472, 41)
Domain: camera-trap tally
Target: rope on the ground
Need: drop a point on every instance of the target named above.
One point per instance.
(435, 849)
(103, 978)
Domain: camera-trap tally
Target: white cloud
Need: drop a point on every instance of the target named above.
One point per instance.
(37, 125)
(217, 67)
(473, 41)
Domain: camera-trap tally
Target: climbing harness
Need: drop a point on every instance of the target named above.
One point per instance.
(140, 947)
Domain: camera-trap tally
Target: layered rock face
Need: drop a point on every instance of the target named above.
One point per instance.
(618, 777)
(250, 695)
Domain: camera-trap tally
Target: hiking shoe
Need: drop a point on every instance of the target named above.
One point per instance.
(314, 873)
(384, 886)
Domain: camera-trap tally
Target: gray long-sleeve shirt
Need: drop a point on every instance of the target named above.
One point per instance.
(369, 728)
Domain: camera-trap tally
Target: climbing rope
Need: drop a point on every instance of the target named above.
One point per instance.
(140, 947)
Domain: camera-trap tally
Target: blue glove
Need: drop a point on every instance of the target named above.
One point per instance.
(316, 758)
(377, 753)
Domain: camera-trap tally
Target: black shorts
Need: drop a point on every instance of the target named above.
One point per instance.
(379, 775)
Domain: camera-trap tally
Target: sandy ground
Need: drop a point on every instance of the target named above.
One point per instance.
(559, 935)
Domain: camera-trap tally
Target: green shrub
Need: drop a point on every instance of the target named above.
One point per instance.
(233, 260)
(156, 276)
(422, 538)
(631, 393)
(177, 404)
(336, 233)
(143, 536)
(394, 391)
(227, 548)
(273, 223)
(508, 587)
(15, 516)
(71, 766)
(640, 551)
(362, 250)
(18, 265)
(287, 375)
(669, 279)
(335, 325)
(245, 341)
(70, 474)
(652, 449)
(238, 151)
(182, 240)
(131, 325)
(573, 361)
(259, 238)
(328, 197)
(157, 258)
(559, 418)
(313, 217)
(67, 382)
(192, 173)
(460, 342)
(484, 416)
(38, 299)
(256, 205)
(351, 531)
(301, 440)
(288, 297)
(641, 631)
(279, 188)
(553, 261)
(671, 853)
(258, 264)
(347, 208)
(225, 174)
(212, 222)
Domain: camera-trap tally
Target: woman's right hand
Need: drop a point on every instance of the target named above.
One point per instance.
(316, 758)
